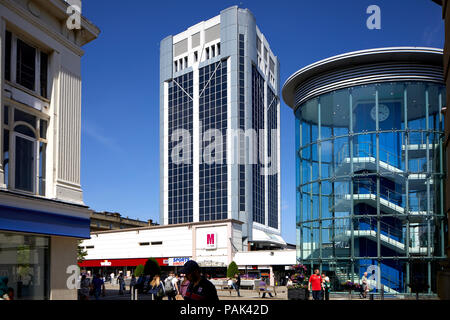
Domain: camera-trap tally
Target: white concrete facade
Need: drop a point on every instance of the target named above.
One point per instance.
(266, 258)
(211, 244)
(45, 95)
(61, 107)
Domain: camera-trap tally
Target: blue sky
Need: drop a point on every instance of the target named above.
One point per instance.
(120, 134)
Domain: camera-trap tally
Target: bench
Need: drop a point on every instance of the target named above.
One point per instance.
(248, 284)
(225, 287)
(253, 285)
(222, 285)
(266, 289)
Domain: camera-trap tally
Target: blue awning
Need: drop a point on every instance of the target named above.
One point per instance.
(32, 221)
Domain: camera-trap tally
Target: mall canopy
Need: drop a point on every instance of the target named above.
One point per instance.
(263, 237)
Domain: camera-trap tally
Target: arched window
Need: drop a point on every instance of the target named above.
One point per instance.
(25, 130)
(24, 150)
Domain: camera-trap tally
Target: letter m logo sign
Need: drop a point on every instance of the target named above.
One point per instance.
(211, 241)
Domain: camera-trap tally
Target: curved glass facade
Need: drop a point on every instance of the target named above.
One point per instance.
(370, 183)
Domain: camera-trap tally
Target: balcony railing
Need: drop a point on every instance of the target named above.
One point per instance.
(342, 227)
(368, 150)
(417, 201)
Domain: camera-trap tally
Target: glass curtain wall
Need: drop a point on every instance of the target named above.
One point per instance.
(369, 183)
(213, 116)
(181, 174)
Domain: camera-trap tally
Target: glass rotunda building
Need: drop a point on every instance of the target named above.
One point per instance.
(369, 161)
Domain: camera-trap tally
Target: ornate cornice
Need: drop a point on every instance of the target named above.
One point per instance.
(36, 22)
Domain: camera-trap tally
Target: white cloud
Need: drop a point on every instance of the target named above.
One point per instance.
(430, 34)
(95, 133)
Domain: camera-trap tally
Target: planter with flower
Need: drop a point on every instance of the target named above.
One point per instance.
(351, 286)
(298, 290)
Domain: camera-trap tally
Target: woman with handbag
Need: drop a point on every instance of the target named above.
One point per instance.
(157, 288)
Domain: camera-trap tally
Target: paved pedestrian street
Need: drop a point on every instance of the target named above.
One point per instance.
(112, 293)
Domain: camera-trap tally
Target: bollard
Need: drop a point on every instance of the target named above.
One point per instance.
(371, 296)
(382, 291)
(135, 294)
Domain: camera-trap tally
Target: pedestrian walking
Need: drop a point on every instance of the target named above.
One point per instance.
(184, 284)
(143, 284)
(364, 285)
(171, 287)
(237, 283)
(315, 283)
(85, 287)
(132, 283)
(157, 288)
(176, 282)
(199, 289)
(121, 282)
(230, 283)
(98, 286)
(326, 284)
(112, 277)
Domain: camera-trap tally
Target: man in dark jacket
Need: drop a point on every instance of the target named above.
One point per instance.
(199, 289)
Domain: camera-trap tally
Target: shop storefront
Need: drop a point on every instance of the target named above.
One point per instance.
(213, 245)
(128, 266)
(39, 245)
(208, 243)
(24, 262)
(270, 265)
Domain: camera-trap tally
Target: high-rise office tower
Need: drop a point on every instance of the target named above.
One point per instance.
(219, 121)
